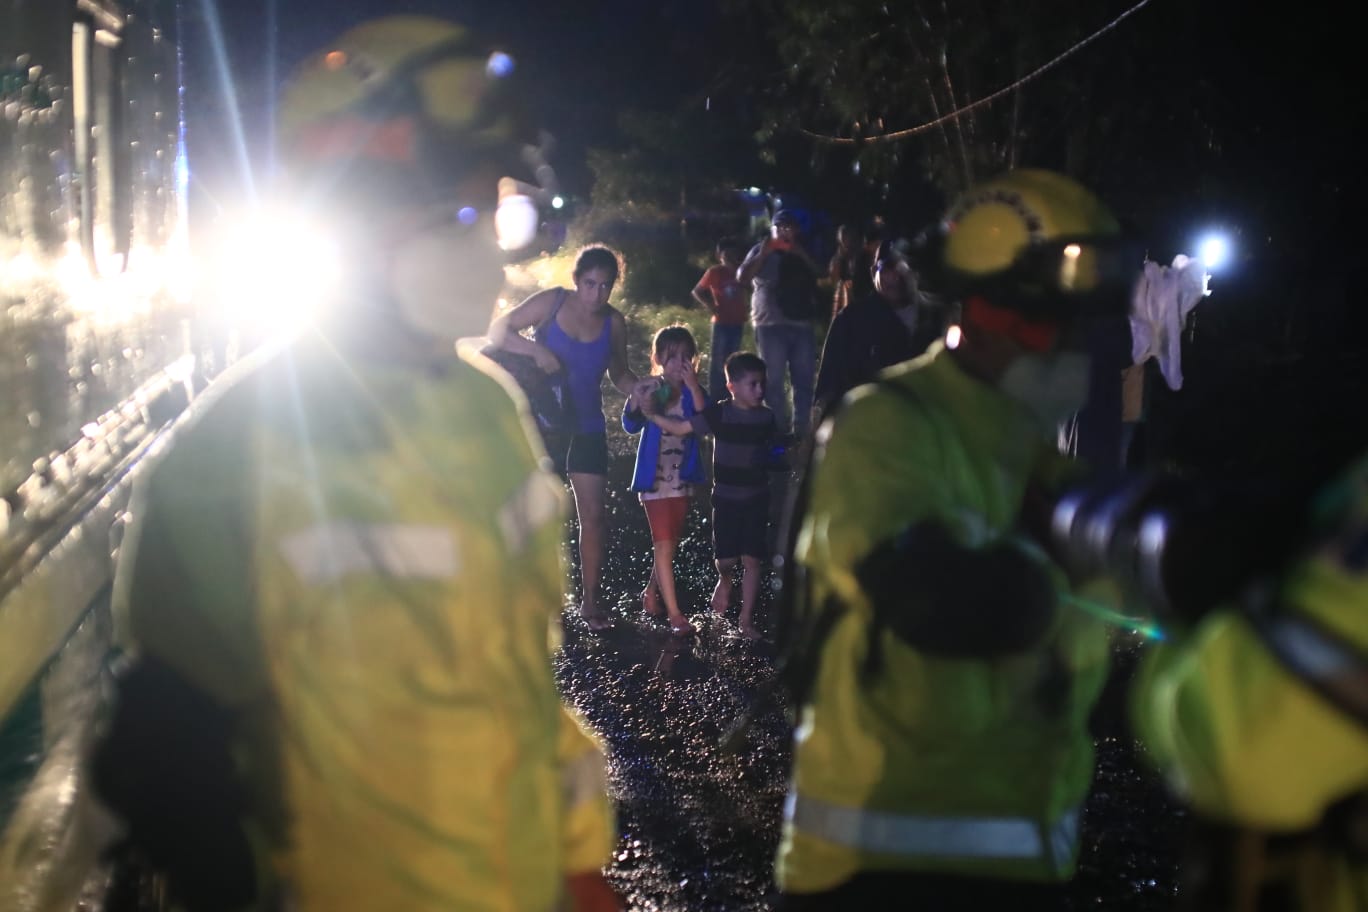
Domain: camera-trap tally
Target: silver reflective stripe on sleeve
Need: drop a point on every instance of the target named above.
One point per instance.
(583, 779)
(1315, 655)
(328, 552)
(1320, 659)
(536, 503)
(937, 837)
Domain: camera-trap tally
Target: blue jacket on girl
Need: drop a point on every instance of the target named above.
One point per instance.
(648, 448)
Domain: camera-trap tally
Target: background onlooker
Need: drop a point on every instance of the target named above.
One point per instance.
(783, 306)
(840, 269)
(724, 295)
(873, 332)
(851, 265)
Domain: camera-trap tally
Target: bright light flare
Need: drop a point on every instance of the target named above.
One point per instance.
(1068, 266)
(499, 65)
(1214, 251)
(274, 271)
(516, 221)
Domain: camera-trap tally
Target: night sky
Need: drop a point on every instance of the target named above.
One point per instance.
(1277, 90)
(580, 64)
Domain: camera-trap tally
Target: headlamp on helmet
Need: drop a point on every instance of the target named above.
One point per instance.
(415, 66)
(410, 110)
(1038, 243)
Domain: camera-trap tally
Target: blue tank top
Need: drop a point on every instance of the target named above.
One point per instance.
(585, 364)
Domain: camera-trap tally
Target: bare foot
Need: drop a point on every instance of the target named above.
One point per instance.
(680, 626)
(595, 618)
(650, 603)
(721, 600)
(749, 631)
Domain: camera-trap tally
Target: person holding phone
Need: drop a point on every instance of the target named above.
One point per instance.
(783, 306)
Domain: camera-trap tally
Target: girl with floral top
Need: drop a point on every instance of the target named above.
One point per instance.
(667, 465)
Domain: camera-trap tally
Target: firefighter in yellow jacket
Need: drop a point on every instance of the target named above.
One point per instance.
(942, 755)
(341, 579)
(1259, 716)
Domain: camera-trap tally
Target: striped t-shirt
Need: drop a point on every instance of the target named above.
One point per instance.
(742, 443)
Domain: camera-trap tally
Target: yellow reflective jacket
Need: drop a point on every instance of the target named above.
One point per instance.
(1251, 743)
(362, 561)
(952, 766)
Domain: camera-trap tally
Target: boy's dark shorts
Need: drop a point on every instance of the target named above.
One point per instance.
(579, 454)
(740, 528)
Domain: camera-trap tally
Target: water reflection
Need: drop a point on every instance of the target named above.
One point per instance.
(59, 373)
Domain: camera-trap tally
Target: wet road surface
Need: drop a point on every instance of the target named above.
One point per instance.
(698, 825)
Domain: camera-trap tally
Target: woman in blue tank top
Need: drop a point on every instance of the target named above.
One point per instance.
(577, 330)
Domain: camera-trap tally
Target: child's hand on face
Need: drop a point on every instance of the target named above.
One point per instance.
(689, 374)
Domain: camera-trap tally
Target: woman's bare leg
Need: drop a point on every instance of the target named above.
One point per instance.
(589, 507)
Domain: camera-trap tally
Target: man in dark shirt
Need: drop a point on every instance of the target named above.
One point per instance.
(873, 332)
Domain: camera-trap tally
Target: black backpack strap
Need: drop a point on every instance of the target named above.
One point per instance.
(802, 627)
(799, 631)
(809, 624)
(561, 295)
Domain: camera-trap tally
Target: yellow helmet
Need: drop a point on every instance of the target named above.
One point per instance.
(400, 137)
(412, 110)
(391, 67)
(1038, 242)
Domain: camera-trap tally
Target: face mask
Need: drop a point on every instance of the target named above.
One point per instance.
(445, 281)
(1053, 386)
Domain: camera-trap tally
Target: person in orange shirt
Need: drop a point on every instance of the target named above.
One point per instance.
(724, 296)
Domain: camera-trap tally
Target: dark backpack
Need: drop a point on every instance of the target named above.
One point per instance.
(796, 288)
(548, 395)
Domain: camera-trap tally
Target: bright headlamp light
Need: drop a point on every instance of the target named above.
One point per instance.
(274, 270)
(516, 221)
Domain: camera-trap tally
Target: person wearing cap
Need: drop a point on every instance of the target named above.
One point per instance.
(941, 681)
(340, 578)
(783, 306)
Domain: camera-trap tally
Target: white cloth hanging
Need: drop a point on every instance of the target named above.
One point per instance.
(1164, 297)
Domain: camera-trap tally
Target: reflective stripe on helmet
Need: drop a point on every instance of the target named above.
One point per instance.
(930, 836)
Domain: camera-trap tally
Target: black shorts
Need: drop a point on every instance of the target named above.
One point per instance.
(740, 528)
(579, 454)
